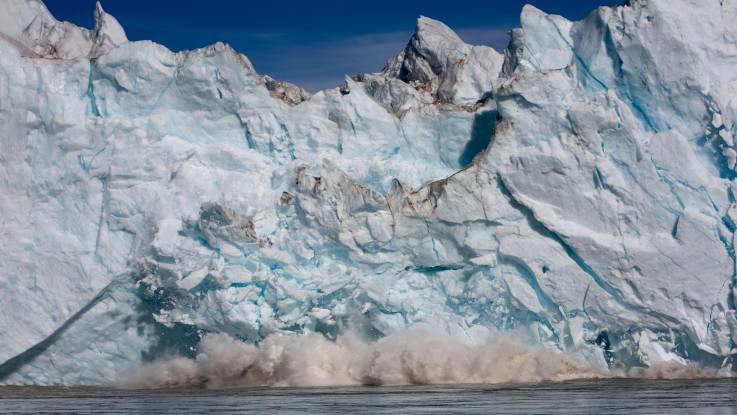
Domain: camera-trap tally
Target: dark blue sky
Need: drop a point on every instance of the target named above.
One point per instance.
(312, 43)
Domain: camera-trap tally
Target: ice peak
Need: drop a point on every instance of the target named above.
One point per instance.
(108, 33)
(530, 9)
(106, 24)
(440, 65)
(437, 43)
(17, 15)
(434, 34)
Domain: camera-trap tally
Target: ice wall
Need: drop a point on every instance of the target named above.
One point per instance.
(577, 190)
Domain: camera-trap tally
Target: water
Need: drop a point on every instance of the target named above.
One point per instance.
(580, 397)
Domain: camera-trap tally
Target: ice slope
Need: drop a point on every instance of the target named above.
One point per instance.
(577, 190)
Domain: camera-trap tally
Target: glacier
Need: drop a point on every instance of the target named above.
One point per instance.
(576, 191)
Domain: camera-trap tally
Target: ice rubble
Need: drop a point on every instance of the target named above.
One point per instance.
(577, 189)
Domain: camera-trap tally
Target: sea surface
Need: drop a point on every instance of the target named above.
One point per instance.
(579, 397)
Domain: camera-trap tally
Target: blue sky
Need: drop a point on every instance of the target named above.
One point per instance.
(312, 43)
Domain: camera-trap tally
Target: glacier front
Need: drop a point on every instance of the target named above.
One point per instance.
(571, 200)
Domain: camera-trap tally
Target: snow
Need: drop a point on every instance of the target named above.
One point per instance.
(576, 188)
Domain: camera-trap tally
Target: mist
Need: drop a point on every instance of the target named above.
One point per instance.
(408, 358)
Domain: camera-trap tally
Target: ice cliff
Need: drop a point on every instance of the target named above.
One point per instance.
(576, 190)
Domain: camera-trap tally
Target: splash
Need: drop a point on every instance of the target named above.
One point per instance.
(671, 370)
(410, 358)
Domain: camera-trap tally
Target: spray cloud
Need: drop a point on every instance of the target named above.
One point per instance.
(407, 358)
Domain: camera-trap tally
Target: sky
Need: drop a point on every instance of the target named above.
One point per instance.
(313, 44)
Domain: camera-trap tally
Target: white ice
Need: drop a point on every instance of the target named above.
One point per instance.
(577, 189)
